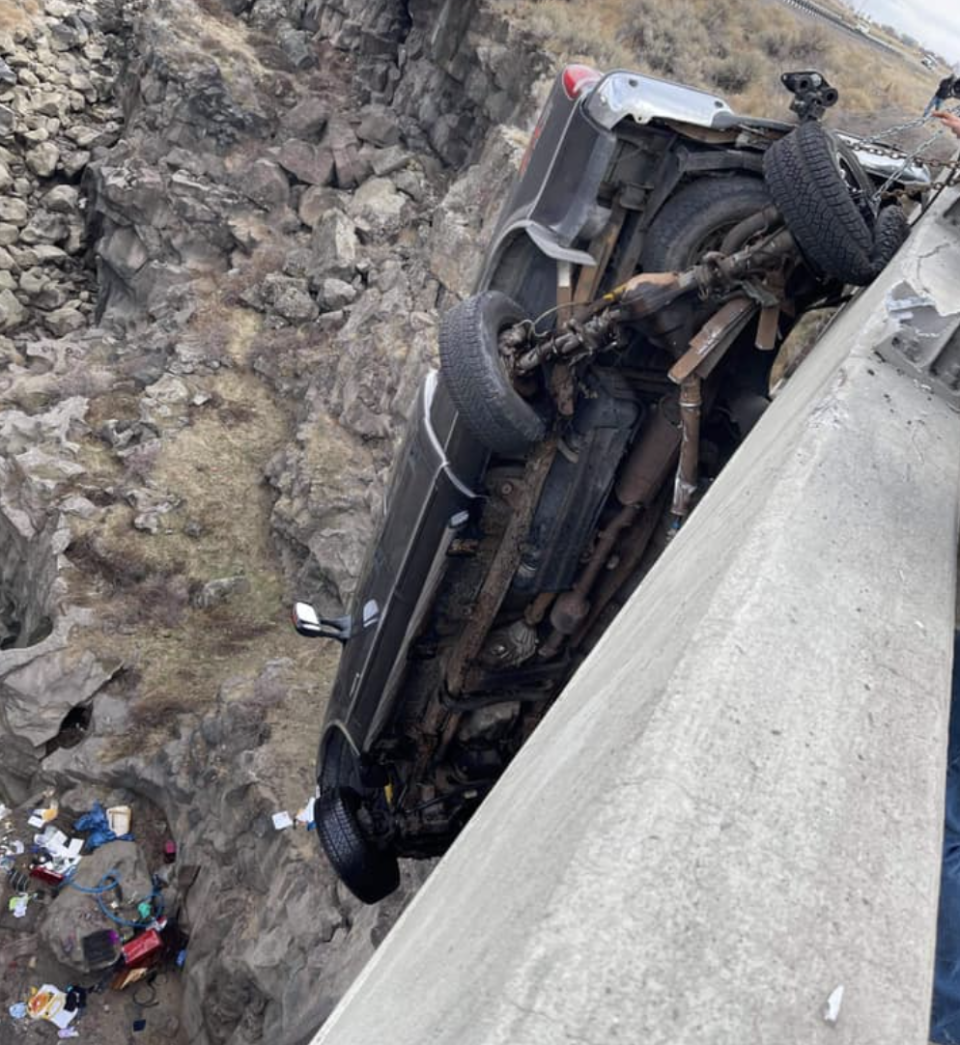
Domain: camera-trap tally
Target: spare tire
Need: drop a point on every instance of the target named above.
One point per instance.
(478, 382)
(804, 175)
(368, 872)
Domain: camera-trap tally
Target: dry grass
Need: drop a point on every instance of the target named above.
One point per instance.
(18, 14)
(142, 583)
(737, 48)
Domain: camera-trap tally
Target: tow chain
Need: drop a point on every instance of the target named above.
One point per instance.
(908, 158)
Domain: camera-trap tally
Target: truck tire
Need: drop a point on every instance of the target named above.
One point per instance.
(470, 364)
(693, 222)
(803, 173)
(368, 872)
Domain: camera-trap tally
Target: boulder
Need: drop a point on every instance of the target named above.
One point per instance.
(45, 227)
(314, 204)
(336, 294)
(335, 246)
(73, 915)
(14, 210)
(379, 126)
(288, 298)
(52, 296)
(63, 321)
(63, 199)
(265, 183)
(38, 695)
(295, 44)
(33, 281)
(306, 119)
(389, 160)
(268, 14)
(307, 163)
(42, 159)
(124, 251)
(379, 205)
(12, 313)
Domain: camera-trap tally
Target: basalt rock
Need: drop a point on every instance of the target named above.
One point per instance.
(270, 240)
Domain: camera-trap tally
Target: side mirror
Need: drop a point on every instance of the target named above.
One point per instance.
(312, 626)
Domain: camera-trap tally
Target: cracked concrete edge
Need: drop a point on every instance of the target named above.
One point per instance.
(736, 806)
(924, 338)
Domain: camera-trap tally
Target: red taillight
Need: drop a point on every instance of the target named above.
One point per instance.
(577, 78)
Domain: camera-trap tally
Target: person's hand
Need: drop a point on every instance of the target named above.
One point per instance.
(949, 120)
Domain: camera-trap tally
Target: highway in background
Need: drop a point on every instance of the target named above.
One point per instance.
(821, 13)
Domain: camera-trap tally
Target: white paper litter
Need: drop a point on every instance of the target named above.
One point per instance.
(831, 1011)
(64, 850)
(282, 820)
(49, 1004)
(305, 816)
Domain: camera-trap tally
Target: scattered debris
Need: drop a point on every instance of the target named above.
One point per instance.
(831, 1010)
(57, 855)
(119, 818)
(141, 948)
(50, 1003)
(41, 817)
(100, 948)
(142, 938)
(18, 905)
(282, 820)
(97, 822)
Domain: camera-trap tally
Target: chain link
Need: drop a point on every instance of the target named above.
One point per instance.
(896, 153)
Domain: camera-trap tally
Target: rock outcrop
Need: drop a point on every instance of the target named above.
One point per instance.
(457, 67)
(226, 228)
(57, 109)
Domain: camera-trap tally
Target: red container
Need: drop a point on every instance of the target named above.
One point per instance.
(43, 875)
(143, 949)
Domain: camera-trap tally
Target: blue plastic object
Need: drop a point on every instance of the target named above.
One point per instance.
(109, 881)
(97, 823)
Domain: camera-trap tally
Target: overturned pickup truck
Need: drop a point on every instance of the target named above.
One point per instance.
(654, 253)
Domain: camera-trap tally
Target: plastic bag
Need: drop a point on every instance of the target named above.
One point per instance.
(96, 822)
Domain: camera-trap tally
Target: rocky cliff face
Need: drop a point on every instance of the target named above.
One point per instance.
(226, 227)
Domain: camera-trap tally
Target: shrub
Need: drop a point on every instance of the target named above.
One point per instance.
(735, 74)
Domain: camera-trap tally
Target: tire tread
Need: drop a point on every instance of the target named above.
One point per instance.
(801, 174)
(469, 364)
(369, 873)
